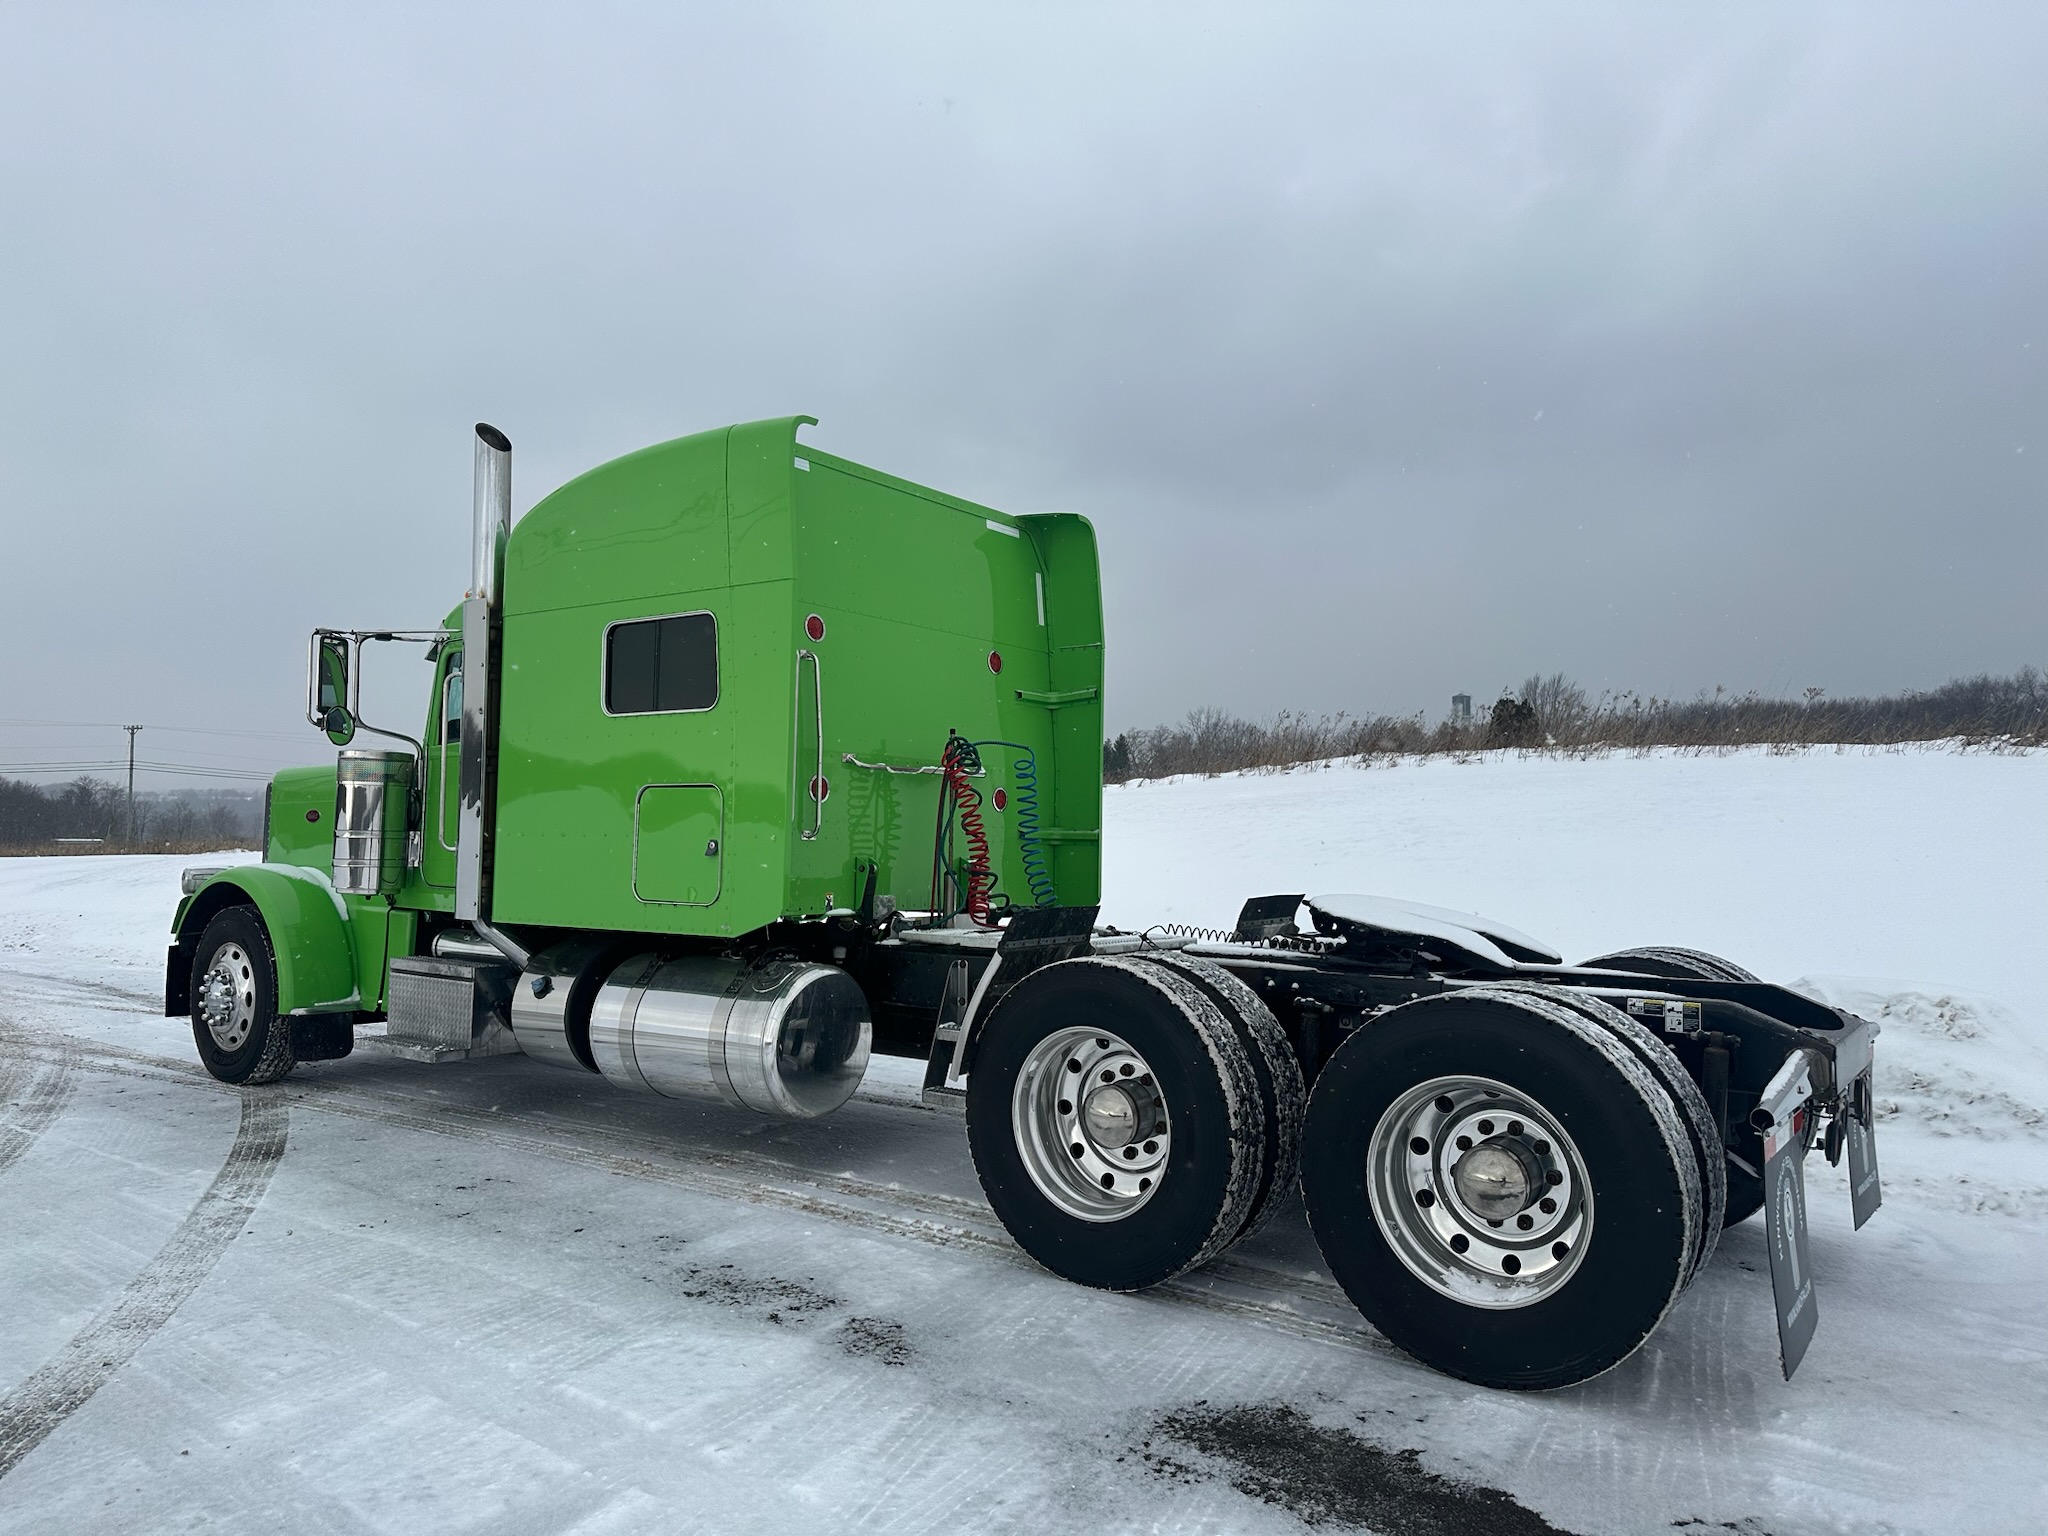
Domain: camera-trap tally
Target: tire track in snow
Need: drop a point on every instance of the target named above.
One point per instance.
(42, 1099)
(1302, 1305)
(65, 1383)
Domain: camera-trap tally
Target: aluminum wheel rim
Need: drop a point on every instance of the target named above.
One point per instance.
(1436, 1219)
(1091, 1125)
(227, 997)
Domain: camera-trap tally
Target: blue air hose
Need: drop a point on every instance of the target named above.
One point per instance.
(1030, 850)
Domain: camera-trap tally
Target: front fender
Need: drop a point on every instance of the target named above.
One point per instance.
(309, 933)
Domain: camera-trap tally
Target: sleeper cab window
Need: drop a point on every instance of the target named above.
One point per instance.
(661, 666)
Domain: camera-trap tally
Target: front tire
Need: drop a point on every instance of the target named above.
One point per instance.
(1502, 1187)
(235, 1023)
(1116, 1122)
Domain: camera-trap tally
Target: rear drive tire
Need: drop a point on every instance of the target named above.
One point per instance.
(1709, 1157)
(1670, 960)
(1745, 1189)
(1455, 1257)
(1152, 1170)
(235, 1023)
(1275, 1067)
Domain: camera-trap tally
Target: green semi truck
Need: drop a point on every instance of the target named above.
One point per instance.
(741, 762)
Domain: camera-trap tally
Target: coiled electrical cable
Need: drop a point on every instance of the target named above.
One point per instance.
(1030, 850)
(959, 796)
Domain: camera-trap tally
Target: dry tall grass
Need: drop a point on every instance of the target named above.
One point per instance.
(1554, 714)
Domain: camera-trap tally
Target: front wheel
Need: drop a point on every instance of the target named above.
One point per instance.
(1502, 1187)
(235, 1023)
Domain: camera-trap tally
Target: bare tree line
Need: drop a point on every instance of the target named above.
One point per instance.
(1555, 714)
(91, 816)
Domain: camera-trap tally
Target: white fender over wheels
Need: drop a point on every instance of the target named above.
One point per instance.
(1503, 1186)
(1117, 1122)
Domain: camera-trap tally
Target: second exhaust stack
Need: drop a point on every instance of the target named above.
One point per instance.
(480, 639)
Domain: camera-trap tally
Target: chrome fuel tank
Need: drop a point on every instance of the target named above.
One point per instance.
(780, 1037)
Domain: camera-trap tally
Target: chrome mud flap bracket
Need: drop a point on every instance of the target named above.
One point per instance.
(1785, 1119)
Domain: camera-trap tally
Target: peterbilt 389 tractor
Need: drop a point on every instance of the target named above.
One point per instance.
(742, 761)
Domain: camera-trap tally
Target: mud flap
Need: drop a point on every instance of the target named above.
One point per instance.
(1866, 1190)
(1791, 1267)
(1785, 1118)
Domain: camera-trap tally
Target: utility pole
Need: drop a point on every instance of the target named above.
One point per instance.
(131, 730)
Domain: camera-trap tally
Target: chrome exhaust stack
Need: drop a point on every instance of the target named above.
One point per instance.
(480, 640)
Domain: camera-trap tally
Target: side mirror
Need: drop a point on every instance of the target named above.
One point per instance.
(327, 688)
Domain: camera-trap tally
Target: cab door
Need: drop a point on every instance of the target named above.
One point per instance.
(441, 803)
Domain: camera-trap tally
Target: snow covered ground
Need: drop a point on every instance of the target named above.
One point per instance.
(498, 1297)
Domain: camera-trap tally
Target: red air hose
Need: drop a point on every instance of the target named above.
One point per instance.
(981, 878)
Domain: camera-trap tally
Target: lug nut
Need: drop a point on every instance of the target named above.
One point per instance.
(1554, 1177)
(1547, 1206)
(1464, 1143)
(1126, 1069)
(1151, 1147)
(1543, 1149)
(1486, 1127)
(1525, 1222)
(1130, 1152)
(1514, 1127)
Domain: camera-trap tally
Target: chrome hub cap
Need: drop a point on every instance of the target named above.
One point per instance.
(1479, 1191)
(1090, 1124)
(227, 997)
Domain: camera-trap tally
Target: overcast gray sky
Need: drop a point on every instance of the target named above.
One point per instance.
(1393, 352)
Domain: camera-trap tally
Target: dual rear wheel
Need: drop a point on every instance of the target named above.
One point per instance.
(1513, 1183)
(1130, 1118)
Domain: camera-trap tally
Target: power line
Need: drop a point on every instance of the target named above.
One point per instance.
(183, 730)
(116, 765)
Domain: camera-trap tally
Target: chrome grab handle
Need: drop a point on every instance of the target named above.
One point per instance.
(448, 681)
(817, 784)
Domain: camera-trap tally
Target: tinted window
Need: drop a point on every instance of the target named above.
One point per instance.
(451, 699)
(658, 665)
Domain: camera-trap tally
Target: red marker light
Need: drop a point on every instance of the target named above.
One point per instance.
(1001, 799)
(814, 627)
(312, 815)
(995, 661)
(821, 788)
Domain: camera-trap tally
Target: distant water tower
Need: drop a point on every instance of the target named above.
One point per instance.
(1461, 709)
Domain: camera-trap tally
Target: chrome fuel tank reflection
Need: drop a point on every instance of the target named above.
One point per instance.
(780, 1037)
